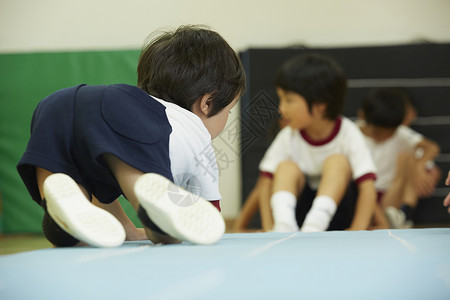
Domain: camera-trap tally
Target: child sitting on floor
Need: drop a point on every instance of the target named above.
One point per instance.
(99, 142)
(320, 157)
(402, 156)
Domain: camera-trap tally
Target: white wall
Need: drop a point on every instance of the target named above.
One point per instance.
(30, 25)
(56, 25)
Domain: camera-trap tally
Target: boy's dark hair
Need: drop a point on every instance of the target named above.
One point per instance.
(318, 79)
(183, 65)
(407, 98)
(384, 107)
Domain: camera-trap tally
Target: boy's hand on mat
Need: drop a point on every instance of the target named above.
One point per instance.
(137, 234)
(159, 238)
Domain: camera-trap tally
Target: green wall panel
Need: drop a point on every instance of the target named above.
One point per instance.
(25, 79)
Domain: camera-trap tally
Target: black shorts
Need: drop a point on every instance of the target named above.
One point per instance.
(345, 211)
(72, 128)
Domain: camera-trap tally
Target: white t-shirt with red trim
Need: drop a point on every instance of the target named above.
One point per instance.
(310, 155)
(385, 154)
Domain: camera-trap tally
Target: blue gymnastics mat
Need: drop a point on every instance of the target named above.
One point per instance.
(382, 264)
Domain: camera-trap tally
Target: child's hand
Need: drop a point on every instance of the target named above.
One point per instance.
(447, 199)
(424, 182)
(136, 234)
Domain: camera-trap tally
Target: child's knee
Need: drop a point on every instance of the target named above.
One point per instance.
(405, 159)
(337, 161)
(289, 168)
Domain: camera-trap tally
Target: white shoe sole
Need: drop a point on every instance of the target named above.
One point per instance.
(69, 208)
(199, 223)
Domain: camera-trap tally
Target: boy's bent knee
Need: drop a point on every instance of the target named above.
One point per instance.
(290, 168)
(337, 165)
(337, 161)
(405, 159)
(288, 177)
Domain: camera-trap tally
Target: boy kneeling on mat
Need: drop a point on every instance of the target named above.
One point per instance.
(91, 144)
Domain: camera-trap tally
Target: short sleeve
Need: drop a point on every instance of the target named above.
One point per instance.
(207, 176)
(358, 153)
(278, 151)
(409, 136)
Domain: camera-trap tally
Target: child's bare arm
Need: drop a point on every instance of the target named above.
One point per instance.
(365, 205)
(424, 182)
(249, 209)
(430, 151)
(132, 233)
(379, 219)
(265, 192)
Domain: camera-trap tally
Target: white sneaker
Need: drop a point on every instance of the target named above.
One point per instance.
(397, 218)
(199, 223)
(69, 208)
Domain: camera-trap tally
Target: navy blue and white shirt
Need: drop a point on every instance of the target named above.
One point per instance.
(72, 128)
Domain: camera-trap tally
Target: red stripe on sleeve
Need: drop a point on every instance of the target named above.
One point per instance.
(266, 174)
(365, 177)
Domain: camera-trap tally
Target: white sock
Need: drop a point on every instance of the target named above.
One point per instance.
(283, 205)
(320, 214)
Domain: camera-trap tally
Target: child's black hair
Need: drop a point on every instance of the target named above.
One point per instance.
(407, 98)
(384, 107)
(318, 79)
(183, 65)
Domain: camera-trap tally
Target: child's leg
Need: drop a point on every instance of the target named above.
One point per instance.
(288, 180)
(115, 208)
(248, 210)
(403, 182)
(70, 219)
(52, 231)
(127, 177)
(265, 185)
(156, 201)
(335, 178)
(401, 197)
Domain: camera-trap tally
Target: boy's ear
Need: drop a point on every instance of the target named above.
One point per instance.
(205, 104)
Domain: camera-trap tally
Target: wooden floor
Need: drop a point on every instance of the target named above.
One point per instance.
(15, 243)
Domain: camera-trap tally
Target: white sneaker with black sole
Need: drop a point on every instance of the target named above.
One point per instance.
(75, 214)
(198, 222)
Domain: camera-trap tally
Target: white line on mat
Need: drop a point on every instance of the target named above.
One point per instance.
(266, 247)
(406, 244)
